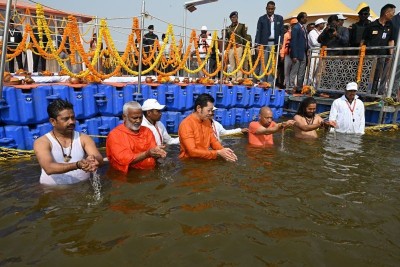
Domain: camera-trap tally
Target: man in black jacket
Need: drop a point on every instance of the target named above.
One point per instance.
(14, 39)
(269, 29)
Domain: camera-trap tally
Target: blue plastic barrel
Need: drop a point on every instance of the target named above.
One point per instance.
(164, 116)
(238, 116)
(62, 92)
(75, 97)
(157, 92)
(172, 122)
(259, 97)
(128, 92)
(91, 127)
(241, 96)
(212, 90)
(190, 91)
(107, 124)
(175, 98)
(221, 117)
(104, 99)
(254, 114)
(223, 97)
(89, 101)
(6, 141)
(17, 133)
(277, 98)
(118, 101)
(230, 118)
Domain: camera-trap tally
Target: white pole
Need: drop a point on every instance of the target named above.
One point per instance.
(394, 67)
(276, 63)
(221, 75)
(4, 48)
(141, 48)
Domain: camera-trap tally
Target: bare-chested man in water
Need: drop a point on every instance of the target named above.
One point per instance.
(306, 121)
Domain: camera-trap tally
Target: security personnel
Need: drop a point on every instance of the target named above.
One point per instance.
(239, 29)
(357, 29)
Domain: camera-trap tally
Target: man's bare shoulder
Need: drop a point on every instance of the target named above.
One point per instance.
(42, 142)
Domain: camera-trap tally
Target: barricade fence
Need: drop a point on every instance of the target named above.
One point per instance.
(330, 69)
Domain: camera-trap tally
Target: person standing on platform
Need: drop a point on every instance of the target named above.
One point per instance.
(343, 32)
(196, 135)
(219, 130)
(347, 113)
(152, 115)
(298, 51)
(357, 29)
(269, 30)
(131, 146)
(35, 54)
(313, 43)
(306, 121)
(14, 39)
(65, 54)
(285, 52)
(65, 155)
(260, 132)
(148, 43)
(380, 33)
(239, 31)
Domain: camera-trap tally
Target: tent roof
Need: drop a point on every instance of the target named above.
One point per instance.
(21, 4)
(362, 5)
(322, 7)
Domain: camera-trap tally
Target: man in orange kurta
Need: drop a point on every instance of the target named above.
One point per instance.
(131, 146)
(260, 132)
(196, 136)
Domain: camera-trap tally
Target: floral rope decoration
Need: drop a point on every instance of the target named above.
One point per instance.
(361, 63)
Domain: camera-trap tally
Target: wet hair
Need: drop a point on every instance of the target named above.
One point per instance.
(130, 105)
(58, 105)
(202, 100)
(386, 7)
(304, 104)
(301, 15)
(271, 3)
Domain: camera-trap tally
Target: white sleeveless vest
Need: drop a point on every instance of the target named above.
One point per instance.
(77, 154)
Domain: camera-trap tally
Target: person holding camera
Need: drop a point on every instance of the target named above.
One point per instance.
(333, 36)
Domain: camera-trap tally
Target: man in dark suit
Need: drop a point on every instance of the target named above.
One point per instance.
(36, 56)
(298, 51)
(269, 29)
(14, 39)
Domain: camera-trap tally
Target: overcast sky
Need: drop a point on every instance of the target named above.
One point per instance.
(212, 15)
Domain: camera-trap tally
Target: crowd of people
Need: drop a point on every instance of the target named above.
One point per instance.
(67, 156)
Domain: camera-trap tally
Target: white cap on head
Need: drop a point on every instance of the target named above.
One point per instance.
(320, 21)
(352, 86)
(152, 103)
(340, 16)
(203, 28)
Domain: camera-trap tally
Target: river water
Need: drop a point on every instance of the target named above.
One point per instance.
(329, 202)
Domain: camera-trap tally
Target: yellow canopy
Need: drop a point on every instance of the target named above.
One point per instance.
(322, 7)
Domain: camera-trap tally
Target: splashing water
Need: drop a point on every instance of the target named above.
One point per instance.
(283, 140)
(96, 184)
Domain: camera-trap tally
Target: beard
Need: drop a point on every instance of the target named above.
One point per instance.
(132, 126)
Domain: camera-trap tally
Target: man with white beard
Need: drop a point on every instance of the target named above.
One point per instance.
(131, 146)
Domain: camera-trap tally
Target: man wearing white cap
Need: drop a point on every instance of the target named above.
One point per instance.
(152, 115)
(347, 112)
(313, 43)
(343, 32)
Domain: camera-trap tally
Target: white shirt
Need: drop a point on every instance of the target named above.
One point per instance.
(219, 130)
(160, 133)
(313, 38)
(272, 36)
(350, 118)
